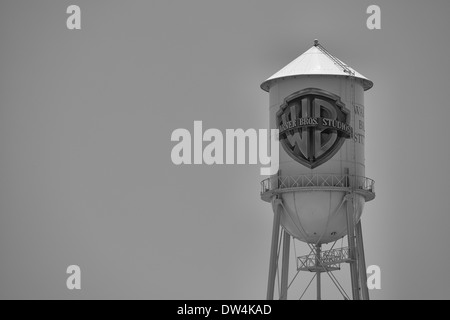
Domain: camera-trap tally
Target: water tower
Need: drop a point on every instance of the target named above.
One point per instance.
(319, 192)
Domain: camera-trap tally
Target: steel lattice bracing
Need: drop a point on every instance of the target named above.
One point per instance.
(329, 260)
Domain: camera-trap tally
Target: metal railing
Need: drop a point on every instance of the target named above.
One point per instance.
(344, 67)
(331, 258)
(317, 180)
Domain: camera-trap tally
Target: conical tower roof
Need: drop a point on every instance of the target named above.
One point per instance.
(316, 61)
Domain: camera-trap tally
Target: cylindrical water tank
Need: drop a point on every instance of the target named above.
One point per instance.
(317, 104)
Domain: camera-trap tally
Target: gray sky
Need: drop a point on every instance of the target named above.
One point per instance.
(86, 117)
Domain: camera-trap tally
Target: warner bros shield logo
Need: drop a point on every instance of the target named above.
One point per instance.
(313, 125)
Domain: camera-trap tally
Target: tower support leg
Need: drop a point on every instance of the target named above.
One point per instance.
(352, 248)
(285, 266)
(361, 262)
(273, 263)
(319, 291)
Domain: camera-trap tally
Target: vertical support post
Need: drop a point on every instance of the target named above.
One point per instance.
(319, 291)
(273, 263)
(285, 266)
(351, 247)
(361, 262)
